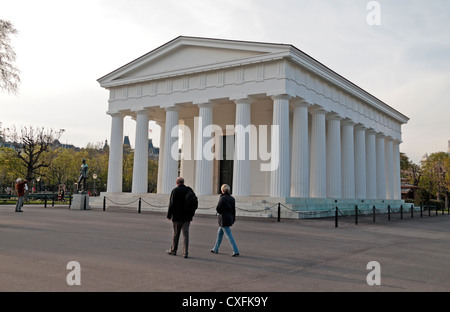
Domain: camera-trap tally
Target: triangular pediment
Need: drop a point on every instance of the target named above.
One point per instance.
(185, 55)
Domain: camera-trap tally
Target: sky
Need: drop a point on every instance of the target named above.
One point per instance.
(64, 46)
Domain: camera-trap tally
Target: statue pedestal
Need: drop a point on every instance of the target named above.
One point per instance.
(80, 202)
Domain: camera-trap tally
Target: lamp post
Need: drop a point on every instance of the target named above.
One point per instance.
(38, 179)
(95, 178)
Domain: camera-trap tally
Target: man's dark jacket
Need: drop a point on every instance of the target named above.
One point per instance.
(226, 210)
(177, 211)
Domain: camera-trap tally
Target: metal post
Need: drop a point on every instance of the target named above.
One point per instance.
(84, 204)
(436, 209)
(53, 199)
(139, 207)
(412, 211)
(421, 211)
(45, 200)
(373, 213)
(401, 211)
(429, 210)
(356, 214)
(389, 212)
(104, 203)
(336, 218)
(279, 212)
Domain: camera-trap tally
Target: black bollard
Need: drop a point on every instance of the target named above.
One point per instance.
(389, 212)
(356, 214)
(104, 203)
(412, 211)
(373, 213)
(336, 218)
(139, 207)
(279, 212)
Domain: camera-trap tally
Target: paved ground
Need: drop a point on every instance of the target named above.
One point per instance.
(125, 251)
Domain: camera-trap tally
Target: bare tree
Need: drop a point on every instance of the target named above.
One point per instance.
(34, 148)
(9, 74)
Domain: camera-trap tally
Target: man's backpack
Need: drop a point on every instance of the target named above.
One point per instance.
(191, 201)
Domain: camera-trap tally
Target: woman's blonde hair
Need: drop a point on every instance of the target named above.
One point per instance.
(225, 188)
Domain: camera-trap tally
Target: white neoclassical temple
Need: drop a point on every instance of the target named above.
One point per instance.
(267, 119)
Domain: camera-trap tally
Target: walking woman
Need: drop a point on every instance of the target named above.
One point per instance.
(227, 215)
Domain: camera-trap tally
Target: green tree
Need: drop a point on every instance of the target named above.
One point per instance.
(34, 148)
(63, 169)
(97, 160)
(127, 178)
(9, 168)
(152, 175)
(435, 175)
(409, 170)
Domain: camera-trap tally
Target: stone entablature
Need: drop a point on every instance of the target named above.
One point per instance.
(287, 72)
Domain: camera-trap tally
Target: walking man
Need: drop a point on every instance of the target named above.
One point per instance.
(181, 216)
(20, 188)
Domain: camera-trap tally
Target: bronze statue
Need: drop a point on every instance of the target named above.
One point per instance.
(83, 176)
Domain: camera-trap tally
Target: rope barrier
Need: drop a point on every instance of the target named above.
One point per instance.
(156, 206)
(120, 204)
(199, 208)
(307, 214)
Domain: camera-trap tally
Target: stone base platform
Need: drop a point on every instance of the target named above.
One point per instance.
(80, 202)
(250, 206)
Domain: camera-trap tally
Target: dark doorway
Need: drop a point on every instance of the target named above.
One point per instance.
(226, 163)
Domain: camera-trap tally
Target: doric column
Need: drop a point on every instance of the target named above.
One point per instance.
(170, 158)
(397, 181)
(389, 169)
(281, 176)
(371, 164)
(140, 164)
(241, 163)
(204, 156)
(115, 154)
(318, 173)
(300, 151)
(159, 188)
(334, 189)
(360, 162)
(381, 167)
(348, 159)
(187, 164)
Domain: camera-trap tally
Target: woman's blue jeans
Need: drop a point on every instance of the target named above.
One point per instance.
(227, 232)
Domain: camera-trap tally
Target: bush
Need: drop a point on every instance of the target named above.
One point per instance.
(421, 197)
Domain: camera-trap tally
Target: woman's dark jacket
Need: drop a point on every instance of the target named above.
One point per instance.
(226, 210)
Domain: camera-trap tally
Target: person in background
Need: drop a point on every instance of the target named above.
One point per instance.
(20, 188)
(226, 216)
